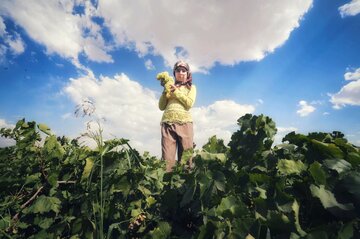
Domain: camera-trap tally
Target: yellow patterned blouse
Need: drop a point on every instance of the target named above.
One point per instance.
(176, 107)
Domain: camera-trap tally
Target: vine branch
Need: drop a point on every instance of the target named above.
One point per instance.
(15, 218)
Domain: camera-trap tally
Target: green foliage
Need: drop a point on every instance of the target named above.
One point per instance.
(215, 145)
(307, 187)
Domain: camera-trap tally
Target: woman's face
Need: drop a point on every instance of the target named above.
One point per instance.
(181, 74)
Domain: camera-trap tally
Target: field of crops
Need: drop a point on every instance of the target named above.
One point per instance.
(307, 187)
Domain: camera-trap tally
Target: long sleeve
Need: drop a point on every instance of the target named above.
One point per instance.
(163, 101)
(177, 107)
(187, 100)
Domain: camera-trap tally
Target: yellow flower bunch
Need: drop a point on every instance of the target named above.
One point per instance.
(166, 80)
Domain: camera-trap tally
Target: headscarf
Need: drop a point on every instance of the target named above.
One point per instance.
(188, 82)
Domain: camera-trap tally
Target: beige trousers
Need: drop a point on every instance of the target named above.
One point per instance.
(175, 137)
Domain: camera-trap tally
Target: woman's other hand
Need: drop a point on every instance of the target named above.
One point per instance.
(172, 88)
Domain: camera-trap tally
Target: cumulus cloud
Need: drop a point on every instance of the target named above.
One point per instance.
(13, 41)
(203, 32)
(219, 118)
(55, 25)
(4, 142)
(305, 108)
(348, 94)
(350, 9)
(131, 111)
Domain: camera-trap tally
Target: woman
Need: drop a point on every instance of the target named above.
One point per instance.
(176, 123)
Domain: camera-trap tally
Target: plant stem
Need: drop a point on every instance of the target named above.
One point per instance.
(15, 218)
(101, 198)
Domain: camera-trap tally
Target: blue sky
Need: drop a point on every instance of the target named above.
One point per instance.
(295, 61)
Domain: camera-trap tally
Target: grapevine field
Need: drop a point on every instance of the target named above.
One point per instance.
(306, 187)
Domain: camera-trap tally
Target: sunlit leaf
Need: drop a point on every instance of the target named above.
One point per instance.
(89, 163)
(295, 208)
(328, 199)
(262, 192)
(136, 212)
(339, 165)
(212, 156)
(328, 150)
(144, 190)
(53, 148)
(45, 129)
(288, 167)
(150, 201)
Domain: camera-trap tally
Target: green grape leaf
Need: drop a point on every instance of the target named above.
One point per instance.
(45, 204)
(287, 167)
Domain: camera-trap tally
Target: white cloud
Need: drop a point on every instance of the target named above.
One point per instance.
(54, 25)
(305, 108)
(16, 44)
(357, 142)
(94, 49)
(2, 27)
(4, 124)
(203, 32)
(149, 65)
(13, 42)
(219, 118)
(131, 111)
(348, 94)
(354, 138)
(352, 75)
(350, 9)
(4, 142)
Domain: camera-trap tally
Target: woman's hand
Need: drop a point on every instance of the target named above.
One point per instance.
(172, 88)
